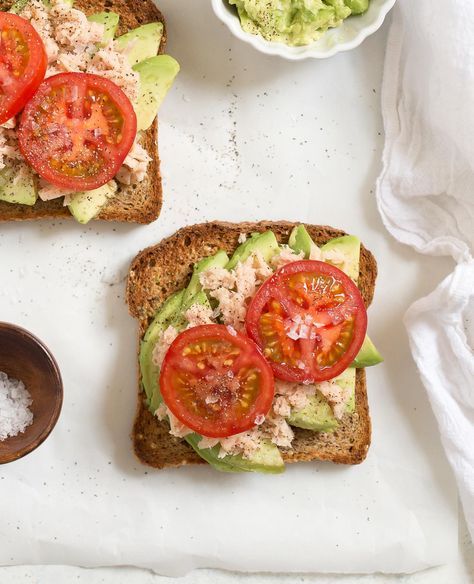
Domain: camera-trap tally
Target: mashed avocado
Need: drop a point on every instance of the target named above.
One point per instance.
(295, 22)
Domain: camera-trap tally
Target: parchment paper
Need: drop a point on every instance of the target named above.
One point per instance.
(242, 136)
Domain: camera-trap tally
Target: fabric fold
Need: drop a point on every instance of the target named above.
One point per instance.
(425, 196)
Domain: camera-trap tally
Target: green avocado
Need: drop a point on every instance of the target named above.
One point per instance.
(357, 6)
(210, 455)
(172, 313)
(265, 243)
(179, 321)
(142, 42)
(18, 6)
(300, 240)
(47, 3)
(295, 22)
(219, 260)
(266, 459)
(161, 321)
(17, 189)
(318, 415)
(110, 20)
(156, 77)
(368, 355)
(349, 245)
(69, 3)
(87, 205)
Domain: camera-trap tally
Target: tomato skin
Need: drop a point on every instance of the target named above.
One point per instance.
(215, 381)
(272, 307)
(77, 130)
(22, 49)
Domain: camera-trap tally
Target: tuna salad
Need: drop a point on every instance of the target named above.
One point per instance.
(73, 116)
(257, 345)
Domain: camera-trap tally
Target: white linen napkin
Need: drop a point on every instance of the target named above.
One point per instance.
(426, 198)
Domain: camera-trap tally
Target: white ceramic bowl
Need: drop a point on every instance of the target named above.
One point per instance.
(347, 36)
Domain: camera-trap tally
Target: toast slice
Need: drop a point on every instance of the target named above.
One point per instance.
(139, 203)
(165, 268)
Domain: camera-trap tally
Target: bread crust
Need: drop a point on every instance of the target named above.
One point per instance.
(155, 274)
(139, 203)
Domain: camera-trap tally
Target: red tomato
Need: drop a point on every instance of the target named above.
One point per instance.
(309, 320)
(215, 381)
(23, 63)
(77, 130)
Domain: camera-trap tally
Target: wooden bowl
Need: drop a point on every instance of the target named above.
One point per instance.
(24, 357)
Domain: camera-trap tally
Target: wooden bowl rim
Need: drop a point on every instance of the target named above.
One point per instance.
(59, 395)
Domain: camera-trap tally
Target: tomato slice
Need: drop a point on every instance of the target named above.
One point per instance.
(77, 130)
(216, 381)
(23, 63)
(309, 320)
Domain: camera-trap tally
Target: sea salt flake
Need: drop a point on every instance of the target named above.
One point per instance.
(259, 419)
(211, 399)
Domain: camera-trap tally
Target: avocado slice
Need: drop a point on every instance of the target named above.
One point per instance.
(218, 260)
(156, 77)
(110, 20)
(349, 245)
(87, 205)
(69, 3)
(162, 320)
(368, 355)
(17, 189)
(210, 455)
(172, 313)
(266, 459)
(300, 240)
(18, 6)
(142, 42)
(179, 321)
(318, 415)
(357, 6)
(265, 243)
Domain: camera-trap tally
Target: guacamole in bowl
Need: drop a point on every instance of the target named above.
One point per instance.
(295, 22)
(290, 23)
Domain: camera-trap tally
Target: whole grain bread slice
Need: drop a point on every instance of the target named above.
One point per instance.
(160, 270)
(140, 203)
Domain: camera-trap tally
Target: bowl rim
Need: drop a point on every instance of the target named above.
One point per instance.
(305, 52)
(58, 403)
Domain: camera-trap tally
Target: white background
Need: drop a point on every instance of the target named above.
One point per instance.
(238, 133)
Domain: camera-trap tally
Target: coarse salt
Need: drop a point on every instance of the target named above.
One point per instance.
(15, 415)
(232, 330)
(259, 420)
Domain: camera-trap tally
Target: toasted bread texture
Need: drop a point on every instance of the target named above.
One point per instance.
(165, 268)
(140, 203)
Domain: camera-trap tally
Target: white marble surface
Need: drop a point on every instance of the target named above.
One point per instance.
(356, 144)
